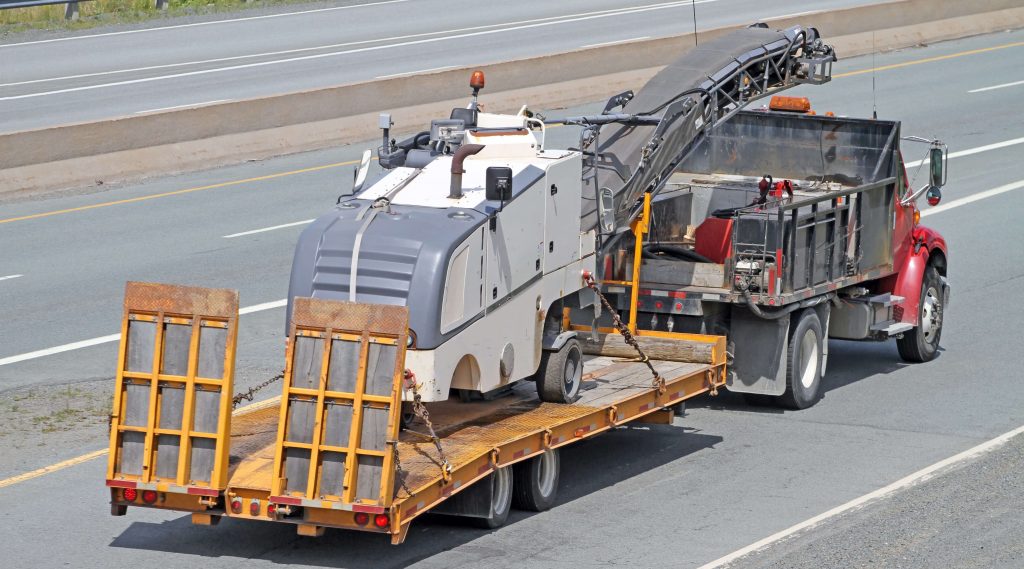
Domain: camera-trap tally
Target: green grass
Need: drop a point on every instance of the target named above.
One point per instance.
(107, 12)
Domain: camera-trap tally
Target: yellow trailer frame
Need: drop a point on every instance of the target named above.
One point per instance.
(476, 438)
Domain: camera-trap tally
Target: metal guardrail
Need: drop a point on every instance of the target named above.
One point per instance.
(71, 10)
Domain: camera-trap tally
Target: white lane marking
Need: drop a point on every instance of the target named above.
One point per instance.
(611, 12)
(973, 198)
(115, 337)
(615, 42)
(564, 20)
(182, 106)
(970, 151)
(994, 87)
(10, 277)
(195, 24)
(282, 226)
(414, 72)
(265, 306)
(907, 481)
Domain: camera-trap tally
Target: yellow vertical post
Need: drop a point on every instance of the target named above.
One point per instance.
(640, 227)
(117, 412)
(313, 476)
(154, 386)
(188, 409)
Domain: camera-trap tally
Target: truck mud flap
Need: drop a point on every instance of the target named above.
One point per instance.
(172, 399)
(341, 405)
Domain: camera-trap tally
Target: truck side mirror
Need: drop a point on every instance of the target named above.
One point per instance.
(937, 163)
(606, 210)
(499, 183)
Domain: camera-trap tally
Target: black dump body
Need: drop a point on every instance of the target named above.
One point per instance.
(836, 230)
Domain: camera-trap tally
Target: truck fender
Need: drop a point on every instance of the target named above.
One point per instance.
(929, 248)
(555, 343)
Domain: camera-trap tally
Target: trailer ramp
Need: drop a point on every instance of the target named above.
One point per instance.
(172, 397)
(339, 413)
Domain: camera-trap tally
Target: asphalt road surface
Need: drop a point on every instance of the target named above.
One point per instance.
(725, 476)
(102, 73)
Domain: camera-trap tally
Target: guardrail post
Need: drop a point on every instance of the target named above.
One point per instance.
(161, 4)
(71, 11)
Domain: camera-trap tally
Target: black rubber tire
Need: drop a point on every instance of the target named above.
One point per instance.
(916, 345)
(501, 501)
(803, 385)
(552, 383)
(535, 482)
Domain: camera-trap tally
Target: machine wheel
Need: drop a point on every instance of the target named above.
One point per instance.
(535, 482)
(560, 373)
(501, 499)
(922, 343)
(803, 362)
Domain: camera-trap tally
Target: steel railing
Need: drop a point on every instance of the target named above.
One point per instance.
(70, 11)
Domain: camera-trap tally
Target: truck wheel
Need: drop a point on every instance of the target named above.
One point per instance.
(803, 362)
(501, 499)
(535, 482)
(560, 373)
(922, 343)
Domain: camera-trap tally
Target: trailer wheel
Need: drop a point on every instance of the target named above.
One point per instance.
(560, 373)
(803, 362)
(501, 499)
(535, 482)
(922, 343)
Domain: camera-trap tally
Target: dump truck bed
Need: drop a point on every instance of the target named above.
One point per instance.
(477, 436)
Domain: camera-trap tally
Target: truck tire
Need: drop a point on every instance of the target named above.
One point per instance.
(922, 343)
(803, 361)
(560, 373)
(535, 482)
(501, 499)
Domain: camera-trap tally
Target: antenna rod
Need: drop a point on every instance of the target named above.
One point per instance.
(693, 4)
(874, 97)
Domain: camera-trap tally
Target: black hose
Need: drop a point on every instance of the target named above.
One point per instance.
(776, 314)
(676, 252)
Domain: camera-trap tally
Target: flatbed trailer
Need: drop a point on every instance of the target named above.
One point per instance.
(179, 447)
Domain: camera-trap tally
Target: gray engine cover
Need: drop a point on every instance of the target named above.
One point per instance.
(405, 248)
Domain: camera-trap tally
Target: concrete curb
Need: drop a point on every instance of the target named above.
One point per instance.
(132, 147)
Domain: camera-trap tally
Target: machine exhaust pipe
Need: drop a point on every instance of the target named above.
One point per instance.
(460, 155)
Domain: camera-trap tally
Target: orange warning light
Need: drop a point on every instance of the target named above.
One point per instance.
(795, 104)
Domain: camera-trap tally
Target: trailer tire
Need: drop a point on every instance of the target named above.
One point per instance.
(535, 482)
(501, 499)
(803, 361)
(560, 373)
(922, 343)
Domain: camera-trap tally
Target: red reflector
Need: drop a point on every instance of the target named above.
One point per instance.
(254, 508)
(149, 496)
(236, 506)
(679, 306)
(130, 494)
(362, 518)
(381, 520)
(271, 510)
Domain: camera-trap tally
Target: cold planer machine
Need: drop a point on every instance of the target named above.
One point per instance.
(483, 233)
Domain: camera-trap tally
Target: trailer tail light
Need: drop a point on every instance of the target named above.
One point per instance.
(271, 510)
(130, 494)
(381, 520)
(149, 496)
(236, 505)
(254, 508)
(362, 518)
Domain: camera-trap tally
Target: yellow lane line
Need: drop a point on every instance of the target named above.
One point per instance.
(351, 162)
(102, 452)
(929, 59)
(52, 468)
(179, 192)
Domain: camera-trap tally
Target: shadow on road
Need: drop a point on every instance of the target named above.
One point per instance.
(848, 363)
(587, 467)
